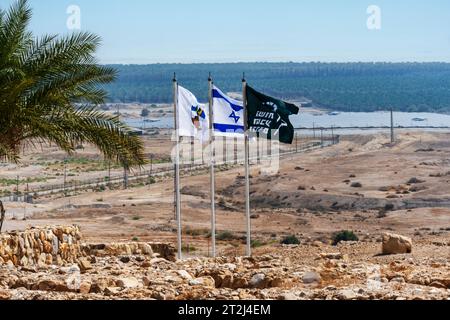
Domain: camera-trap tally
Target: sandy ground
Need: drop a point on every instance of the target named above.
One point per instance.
(300, 200)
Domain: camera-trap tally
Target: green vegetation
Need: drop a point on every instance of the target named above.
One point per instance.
(49, 90)
(188, 248)
(225, 236)
(79, 164)
(258, 243)
(339, 86)
(290, 240)
(197, 232)
(12, 182)
(145, 113)
(356, 185)
(344, 236)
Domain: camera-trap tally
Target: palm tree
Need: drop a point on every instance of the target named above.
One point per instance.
(49, 90)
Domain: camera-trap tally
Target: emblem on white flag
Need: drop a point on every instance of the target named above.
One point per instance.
(193, 117)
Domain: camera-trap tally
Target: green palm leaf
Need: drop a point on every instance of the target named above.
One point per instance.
(49, 89)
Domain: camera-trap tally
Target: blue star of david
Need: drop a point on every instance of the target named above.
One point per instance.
(235, 117)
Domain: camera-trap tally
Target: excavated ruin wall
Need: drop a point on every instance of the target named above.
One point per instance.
(41, 246)
(62, 245)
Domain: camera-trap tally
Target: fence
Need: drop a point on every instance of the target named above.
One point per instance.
(192, 162)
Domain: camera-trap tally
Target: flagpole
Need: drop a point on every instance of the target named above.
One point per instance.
(212, 169)
(177, 167)
(247, 169)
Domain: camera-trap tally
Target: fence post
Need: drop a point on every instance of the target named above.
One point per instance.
(17, 189)
(321, 137)
(125, 178)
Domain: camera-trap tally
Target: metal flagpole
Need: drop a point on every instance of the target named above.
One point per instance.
(247, 169)
(177, 167)
(212, 164)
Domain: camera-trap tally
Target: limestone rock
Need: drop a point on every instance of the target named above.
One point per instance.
(311, 277)
(111, 291)
(396, 244)
(84, 264)
(128, 283)
(332, 256)
(288, 297)
(203, 281)
(85, 287)
(5, 295)
(258, 281)
(184, 274)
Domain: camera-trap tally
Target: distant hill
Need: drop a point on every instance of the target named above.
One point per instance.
(414, 87)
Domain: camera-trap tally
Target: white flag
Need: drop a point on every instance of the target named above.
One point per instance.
(193, 117)
(228, 115)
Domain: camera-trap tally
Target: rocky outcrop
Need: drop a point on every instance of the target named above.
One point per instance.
(136, 271)
(396, 244)
(261, 277)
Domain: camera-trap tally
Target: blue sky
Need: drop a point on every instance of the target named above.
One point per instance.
(181, 31)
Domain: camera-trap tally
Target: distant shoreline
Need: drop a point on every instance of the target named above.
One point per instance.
(133, 110)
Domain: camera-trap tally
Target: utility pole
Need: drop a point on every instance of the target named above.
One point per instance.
(392, 126)
(332, 134)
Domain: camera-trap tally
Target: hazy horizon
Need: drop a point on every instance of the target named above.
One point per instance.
(278, 62)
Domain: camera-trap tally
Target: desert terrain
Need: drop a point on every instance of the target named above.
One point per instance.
(363, 184)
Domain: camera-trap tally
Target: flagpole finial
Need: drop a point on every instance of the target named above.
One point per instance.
(174, 77)
(243, 77)
(209, 77)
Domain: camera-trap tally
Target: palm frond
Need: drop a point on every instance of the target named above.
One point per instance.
(49, 88)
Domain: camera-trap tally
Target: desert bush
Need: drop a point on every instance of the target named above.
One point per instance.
(356, 185)
(344, 235)
(382, 214)
(415, 181)
(188, 248)
(225, 236)
(258, 243)
(289, 240)
(197, 232)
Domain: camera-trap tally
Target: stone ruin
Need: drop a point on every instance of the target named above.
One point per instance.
(62, 245)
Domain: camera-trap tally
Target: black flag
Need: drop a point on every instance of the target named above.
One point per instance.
(269, 117)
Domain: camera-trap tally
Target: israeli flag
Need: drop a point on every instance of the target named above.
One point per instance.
(228, 115)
